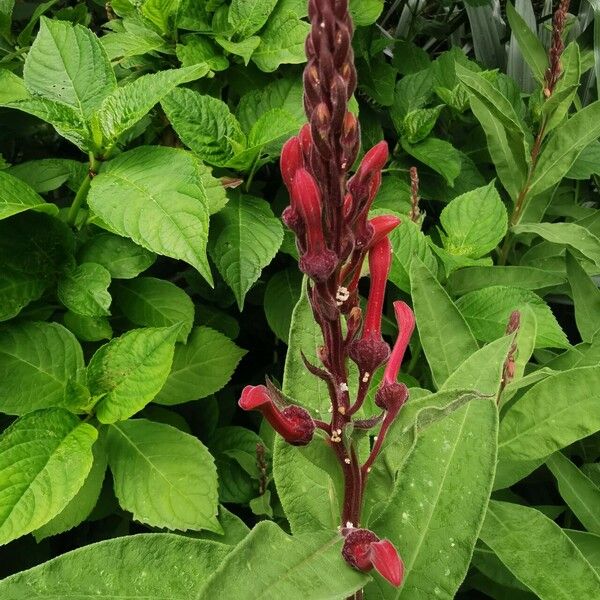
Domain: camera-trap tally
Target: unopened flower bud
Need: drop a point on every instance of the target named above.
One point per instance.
(291, 160)
(382, 226)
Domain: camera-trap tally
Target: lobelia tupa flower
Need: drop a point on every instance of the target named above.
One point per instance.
(328, 213)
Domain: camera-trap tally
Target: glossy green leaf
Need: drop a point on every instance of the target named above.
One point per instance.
(456, 455)
(578, 491)
(538, 552)
(165, 477)
(201, 367)
(84, 290)
(128, 372)
(48, 174)
(281, 295)
(88, 329)
(437, 154)
(445, 336)
(247, 18)
(16, 196)
(153, 195)
(588, 544)
(140, 567)
(45, 457)
(304, 568)
(152, 302)
(40, 367)
(487, 311)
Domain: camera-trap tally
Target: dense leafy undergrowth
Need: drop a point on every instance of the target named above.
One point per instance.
(145, 277)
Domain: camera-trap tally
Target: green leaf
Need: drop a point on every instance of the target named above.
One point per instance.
(124, 107)
(245, 237)
(532, 49)
(554, 413)
(151, 302)
(303, 569)
(586, 297)
(68, 64)
(16, 197)
(281, 41)
(6, 9)
(48, 174)
(474, 222)
(437, 154)
(121, 257)
(84, 290)
(131, 37)
(45, 457)
(40, 366)
(153, 195)
(586, 164)
(201, 367)
(445, 336)
(88, 329)
(197, 50)
(588, 544)
(165, 477)
(128, 372)
(564, 146)
(538, 552)
(213, 187)
(281, 295)
(417, 124)
(434, 539)
(578, 491)
(84, 501)
(487, 311)
(205, 125)
(245, 48)
(139, 567)
(161, 13)
(365, 12)
(248, 16)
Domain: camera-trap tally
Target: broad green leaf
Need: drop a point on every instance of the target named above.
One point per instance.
(214, 188)
(586, 297)
(568, 234)
(68, 64)
(532, 49)
(417, 124)
(165, 477)
(245, 237)
(201, 367)
(434, 539)
(48, 174)
(128, 372)
(588, 544)
(152, 302)
(474, 222)
(304, 568)
(131, 37)
(16, 196)
(482, 371)
(122, 258)
(84, 290)
(153, 195)
(205, 125)
(245, 48)
(487, 312)
(281, 295)
(139, 567)
(445, 336)
(587, 163)
(124, 107)
(408, 242)
(475, 278)
(377, 78)
(564, 146)
(578, 491)
(551, 415)
(538, 552)
(365, 12)
(198, 50)
(6, 9)
(248, 16)
(88, 329)
(40, 367)
(281, 41)
(45, 457)
(161, 13)
(84, 501)
(437, 154)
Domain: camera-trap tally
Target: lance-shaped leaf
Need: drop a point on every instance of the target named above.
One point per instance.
(16, 196)
(586, 297)
(127, 373)
(154, 196)
(139, 567)
(165, 477)
(44, 459)
(538, 552)
(307, 566)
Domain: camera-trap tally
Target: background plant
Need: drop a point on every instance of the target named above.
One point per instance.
(139, 149)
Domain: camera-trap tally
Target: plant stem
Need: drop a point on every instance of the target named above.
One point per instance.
(82, 192)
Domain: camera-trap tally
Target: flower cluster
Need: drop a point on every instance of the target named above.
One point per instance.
(329, 214)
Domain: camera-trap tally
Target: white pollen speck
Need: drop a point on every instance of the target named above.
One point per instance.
(366, 377)
(347, 461)
(343, 386)
(349, 524)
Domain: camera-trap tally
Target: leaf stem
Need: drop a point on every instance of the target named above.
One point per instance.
(82, 192)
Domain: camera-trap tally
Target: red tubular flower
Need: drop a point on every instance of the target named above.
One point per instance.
(318, 261)
(291, 160)
(365, 182)
(382, 226)
(293, 423)
(364, 551)
(406, 325)
(370, 350)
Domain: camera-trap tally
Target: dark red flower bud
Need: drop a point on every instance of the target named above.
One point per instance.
(294, 424)
(318, 261)
(382, 226)
(291, 160)
(364, 551)
(391, 397)
(305, 137)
